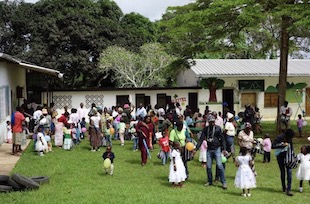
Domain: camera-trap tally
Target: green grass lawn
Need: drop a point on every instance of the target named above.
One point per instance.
(76, 176)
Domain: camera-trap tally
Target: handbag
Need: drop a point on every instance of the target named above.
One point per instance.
(291, 160)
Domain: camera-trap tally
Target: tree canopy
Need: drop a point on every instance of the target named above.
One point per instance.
(70, 35)
(149, 67)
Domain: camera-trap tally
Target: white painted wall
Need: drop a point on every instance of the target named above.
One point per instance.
(11, 75)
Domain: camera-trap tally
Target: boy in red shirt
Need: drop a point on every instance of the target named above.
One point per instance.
(17, 129)
(165, 149)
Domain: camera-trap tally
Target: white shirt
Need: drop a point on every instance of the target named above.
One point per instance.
(141, 112)
(82, 113)
(231, 130)
(114, 114)
(178, 111)
(74, 117)
(286, 111)
(37, 114)
(96, 120)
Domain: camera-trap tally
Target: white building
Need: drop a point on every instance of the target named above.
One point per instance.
(252, 81)
(13, 87)
(246, 82)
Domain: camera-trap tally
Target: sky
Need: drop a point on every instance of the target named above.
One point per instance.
(152, 9)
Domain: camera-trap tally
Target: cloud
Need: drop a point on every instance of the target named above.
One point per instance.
(152, 9)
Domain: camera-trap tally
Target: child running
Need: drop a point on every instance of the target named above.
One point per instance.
(177, 170)
(203, 153)
(245, 178)
(108, 154)
(267, 148)
(300, 122)
(303, 171)
(164, 146)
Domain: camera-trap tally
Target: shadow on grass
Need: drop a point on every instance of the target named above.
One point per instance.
(267, 189)
(133, 161)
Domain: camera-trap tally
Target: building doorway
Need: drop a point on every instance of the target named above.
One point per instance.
(228, 97)
(193, 101)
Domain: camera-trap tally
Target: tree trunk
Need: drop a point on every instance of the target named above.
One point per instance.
(212, 91)
(284, 48)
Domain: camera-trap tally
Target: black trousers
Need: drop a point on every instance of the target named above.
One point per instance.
(266, 157)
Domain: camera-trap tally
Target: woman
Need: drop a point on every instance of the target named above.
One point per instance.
(283, 144)
(144, 129)
(230, 132)
(246, 137)
(178, 135)
(95, 131)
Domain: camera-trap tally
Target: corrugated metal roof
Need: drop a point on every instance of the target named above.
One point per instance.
(248, 67)
(29, 66)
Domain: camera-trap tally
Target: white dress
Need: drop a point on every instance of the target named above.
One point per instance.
(303, 171)
(180, 174)
(245, 177)
(39, 146)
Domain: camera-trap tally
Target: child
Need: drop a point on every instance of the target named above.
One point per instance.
(41, 144)
(267, 148)
(177, 170)
(68, 140)
(203, 153)
(303, 171)
(245, 178)
(134, 134)
(300, 122)
(9, 132)
(165, 149)
(108, 135)
(83, 125)
(109, 154)
(121, 131)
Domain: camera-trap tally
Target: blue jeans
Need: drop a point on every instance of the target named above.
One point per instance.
(283, 169)
(217, 155)
(108, 140)
(165, 157)
(135, 143)
(230, 144)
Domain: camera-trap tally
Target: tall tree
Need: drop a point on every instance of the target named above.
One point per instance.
(147, 68)
(70, 35)
(138, 30)
(228, 26)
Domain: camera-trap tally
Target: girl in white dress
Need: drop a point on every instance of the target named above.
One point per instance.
(177, 170)
(41, 144)
(245, 178)
(9, 132)
(303, 171)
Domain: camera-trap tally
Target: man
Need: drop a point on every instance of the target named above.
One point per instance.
(141, 111)
(282, 143)
(82, 112)
(285, 114)
(229, 133)
(17, 130)
(216, 142)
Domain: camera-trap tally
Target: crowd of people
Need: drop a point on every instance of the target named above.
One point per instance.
(171, 128)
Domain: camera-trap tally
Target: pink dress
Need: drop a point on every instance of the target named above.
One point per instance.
(59, 134)
(203, 151)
